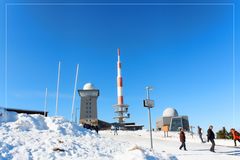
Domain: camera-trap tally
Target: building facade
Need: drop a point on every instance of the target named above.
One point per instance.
(172, 120)
(88, 104)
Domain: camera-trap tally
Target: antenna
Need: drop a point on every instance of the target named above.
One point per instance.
(74, 93)
(59, 68)
(121, 109)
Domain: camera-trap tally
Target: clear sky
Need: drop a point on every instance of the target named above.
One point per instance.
(184, 51)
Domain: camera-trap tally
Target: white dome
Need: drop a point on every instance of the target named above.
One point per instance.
(170, 112)
(88, 86)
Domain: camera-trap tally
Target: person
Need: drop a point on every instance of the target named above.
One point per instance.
(200, 133)
(211, 137)
(115, 130)
(96, 129)
(224, 133)
(235, 136)
(182, 139)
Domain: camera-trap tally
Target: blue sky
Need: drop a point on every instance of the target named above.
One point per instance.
(184, 52)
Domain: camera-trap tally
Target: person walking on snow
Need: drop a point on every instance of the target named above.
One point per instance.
(235, 136)
(211, 137)
(182, 139)
(115, 130)
(200, 133)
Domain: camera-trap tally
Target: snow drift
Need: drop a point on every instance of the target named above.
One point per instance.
(27, 137)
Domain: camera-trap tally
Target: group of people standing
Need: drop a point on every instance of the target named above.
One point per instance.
(210, 137)
(114, 128)
(91, 127)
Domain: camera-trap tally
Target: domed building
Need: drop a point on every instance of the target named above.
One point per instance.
(88, 86)
(172, 120)
(170, 112)
(88, 104)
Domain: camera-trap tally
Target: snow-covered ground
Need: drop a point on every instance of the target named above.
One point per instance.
(196, 150)
(27, 137)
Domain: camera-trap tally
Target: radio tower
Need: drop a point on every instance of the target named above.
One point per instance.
(121, 109)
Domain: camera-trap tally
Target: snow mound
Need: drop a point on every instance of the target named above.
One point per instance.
(25, 122)
(64, 127)
(139, 153)
(32, 137)
(7, 116)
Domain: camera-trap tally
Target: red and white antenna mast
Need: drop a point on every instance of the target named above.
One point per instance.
(121, 109)
(119, 80)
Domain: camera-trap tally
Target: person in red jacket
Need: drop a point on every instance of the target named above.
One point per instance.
(182, 139)
(235, 135)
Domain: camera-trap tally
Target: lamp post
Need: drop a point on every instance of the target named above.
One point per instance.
(149, 104)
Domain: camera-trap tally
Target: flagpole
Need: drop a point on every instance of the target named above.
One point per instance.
(59, 68)
(45, 103)
(74, 93)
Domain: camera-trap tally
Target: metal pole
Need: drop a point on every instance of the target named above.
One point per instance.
(148, 93)
(59, 68)
(150, 126)
(149, 116)
(45, 103)
(76, 115)
(74, 93)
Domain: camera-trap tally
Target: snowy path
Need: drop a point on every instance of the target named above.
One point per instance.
(196, 150)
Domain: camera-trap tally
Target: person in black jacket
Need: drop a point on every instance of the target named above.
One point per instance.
(200, 133)
(211, 137)
(182, 139)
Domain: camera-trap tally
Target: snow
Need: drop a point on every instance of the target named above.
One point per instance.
(27, 137)
(169, 146)
(30, 137)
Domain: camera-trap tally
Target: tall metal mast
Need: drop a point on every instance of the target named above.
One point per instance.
(121, 109)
